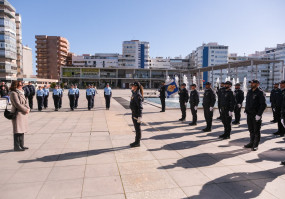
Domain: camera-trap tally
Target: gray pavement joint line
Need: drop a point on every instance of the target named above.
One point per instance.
(54, 161)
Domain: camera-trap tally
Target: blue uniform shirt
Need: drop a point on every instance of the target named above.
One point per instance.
(89, 91)
(46, 92)
(107, 90)
(60, 91)
(71, 91)
(56, 91)
(76, 91)
(40, 93)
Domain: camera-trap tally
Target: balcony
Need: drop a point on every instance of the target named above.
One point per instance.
(7, 12)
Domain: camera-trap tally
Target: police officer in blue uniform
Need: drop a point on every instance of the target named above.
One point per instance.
(107, 95)
(46, 95)
(273, 98)
(254, 108)
(76, 96)
(209, 101)
(239, 97)
(60, 98)
(56, 97)
(40, 98)
(89, 96)
(71, 96)
(194, 102)
(137, 107)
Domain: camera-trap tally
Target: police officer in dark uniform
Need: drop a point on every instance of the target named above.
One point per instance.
(254, 108)
(273, 97)
(32, 94)
(227, 107)
(209, 101)
(279, 101)
(162, 96)
(137, 107)
(194, 102)
(219, 94)
(239, 97)
(183, 99)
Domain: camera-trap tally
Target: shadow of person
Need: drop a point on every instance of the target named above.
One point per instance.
(73, 155)
(205, 159)
(275, 155)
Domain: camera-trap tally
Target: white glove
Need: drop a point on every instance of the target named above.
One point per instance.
(139, 120)
(230, 114)
(239, 105)
(257, 117)
(186, 104)
(195, 108)
(211, 108)
(282, 122)
(274, 109)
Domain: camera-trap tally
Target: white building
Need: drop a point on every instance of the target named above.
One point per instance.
(160, 63)
(27, 62)
(99, 60)
(135, 54)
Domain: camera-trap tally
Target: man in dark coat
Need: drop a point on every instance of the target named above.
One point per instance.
(32, 94)
(194, 102)
(162, 96)
(209, 101)
(239, 97)
(273, 99)
(183, 99)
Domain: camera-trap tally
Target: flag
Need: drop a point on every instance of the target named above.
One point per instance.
(171, 88)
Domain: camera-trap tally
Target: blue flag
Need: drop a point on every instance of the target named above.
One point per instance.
(171, 88)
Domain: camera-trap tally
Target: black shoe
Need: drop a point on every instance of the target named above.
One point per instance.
(19, 149)
(283, 163)
(226, 137)
(207, 130)
(162, 111)
(282, 135)
(193, 124)
(277, 133)
(222, 136)
(181, 119)
(218, 118)
(254, 148)
(135, 144)
(249, 145)
(235, 123)
(89, 109)
(56, 109)
(273, 121)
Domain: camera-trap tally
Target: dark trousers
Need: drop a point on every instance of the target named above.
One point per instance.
(76, 101)
(107, 99)
(281, 129)
(237, 113)
(60, 101)
(40, 102)
(30, 98)
(183, 109)
(137, 128)
(219, 107)
(226, 119)
(162, 100)
(89, 99)
(45, 101)
(72, 101)
(208, 116)
(56, 101)
(254, 129)
(18, 140)
(274, 113)
(93, 100)
(194, 114)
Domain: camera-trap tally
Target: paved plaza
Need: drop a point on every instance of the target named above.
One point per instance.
(86, 154)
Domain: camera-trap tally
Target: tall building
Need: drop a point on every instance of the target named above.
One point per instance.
(27, 62)
(99, 60)
(52, 52)
(135, 54)
(210, 54)
(8, 41)
(19, 44)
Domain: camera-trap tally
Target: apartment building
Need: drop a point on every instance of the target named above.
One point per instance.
(19, 44)
(98, 60)
(52, 53)
(27, 62)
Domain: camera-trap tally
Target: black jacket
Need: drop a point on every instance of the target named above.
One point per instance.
(26, 91)
(255, 102)
(32, 90)
(274, 97)
(227, 100)
(194, 98)
(183, 95)
(219, 93)
(209, 98)
(162, 92)
(239, 96)
(136, 104)
(4, 90)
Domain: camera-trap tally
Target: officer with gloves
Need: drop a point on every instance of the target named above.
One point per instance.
(194, 101)
(239, 97)
(183, 99)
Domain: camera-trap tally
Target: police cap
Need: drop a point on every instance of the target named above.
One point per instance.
(282, 82)
(193, 85)
(228, 83)
(254, 81)
(208, 83)
(237, 84)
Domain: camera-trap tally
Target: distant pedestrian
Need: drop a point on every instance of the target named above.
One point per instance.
(107, 95)
(273, 97)
(46, 95)
(26, 90)
(254, 108)
(56, 97)
(89, 96)
(4, 92)
(32, 94)
(71, 96)
(209, 101)
(76, 96)
(20, 123)
(40, 98)
(183, 99)
(137, 107)
(162, 96)
(239, 97)
(194, 102)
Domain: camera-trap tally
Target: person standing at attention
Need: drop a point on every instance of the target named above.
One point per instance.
(40, 98)
(71, 96)
(107, 95)
(162, 96)
(46, 95)
(76, 96)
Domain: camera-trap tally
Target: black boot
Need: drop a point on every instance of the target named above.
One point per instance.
(135, 144)
(283, 163)
(193, 124)
(249, 145)
(21, 136)
(17, 143)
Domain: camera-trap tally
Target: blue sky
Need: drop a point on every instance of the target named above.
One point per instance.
(173, 27)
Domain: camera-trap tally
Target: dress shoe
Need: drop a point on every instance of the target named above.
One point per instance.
(283, 163)
(222, 136)
(273, 121)
(218, 118)
(277, 133)
(162, 111)
(135, 144)
(182, 120)
(249, 145)
(193, 124)
(226, 137)
(254, 148)
(19, 149)
(235, 123)
(207, 130)
(56, 110)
